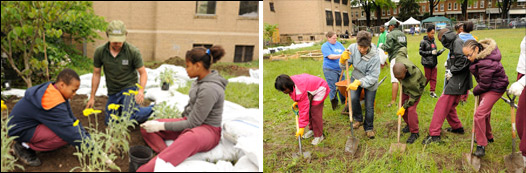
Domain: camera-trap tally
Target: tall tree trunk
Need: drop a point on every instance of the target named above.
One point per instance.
(378, 15)
(465, 10)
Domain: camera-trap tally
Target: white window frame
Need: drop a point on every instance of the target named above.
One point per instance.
(476, 4)
(441, 7)
(436, 8)
(448, 6)
(455, 6)
(395, 11)
(482, 4)
(388, 12)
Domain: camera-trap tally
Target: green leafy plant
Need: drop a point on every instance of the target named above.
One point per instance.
(167, 76)
(8, 160)
(164, 111)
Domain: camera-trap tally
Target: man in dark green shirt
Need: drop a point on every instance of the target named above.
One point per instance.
(394, 41)
(121, 62)
(413, 83)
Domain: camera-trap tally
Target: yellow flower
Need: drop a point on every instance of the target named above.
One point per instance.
(113, 106)
(4, 107)
(126, 94)
(133, 92)
(76, 123)
(114, 116)
(87, 112)
(138, 85)
(96, 111)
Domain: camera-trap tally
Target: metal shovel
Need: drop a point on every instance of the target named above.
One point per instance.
(300, 153)
(352, 142)
(398, 146)
(471, 159)
(514, 162)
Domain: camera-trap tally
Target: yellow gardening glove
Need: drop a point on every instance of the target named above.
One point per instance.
(354, 85)
(401, 111)
(300, 132)
(344, 57)
(295, 106)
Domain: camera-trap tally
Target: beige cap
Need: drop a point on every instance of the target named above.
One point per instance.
(116, 31)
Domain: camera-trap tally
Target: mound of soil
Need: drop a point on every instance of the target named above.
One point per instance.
(62, 159)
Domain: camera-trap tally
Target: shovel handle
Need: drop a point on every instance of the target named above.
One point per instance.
(473, 128)
(513, 127)
(349, 97)
(399, 106)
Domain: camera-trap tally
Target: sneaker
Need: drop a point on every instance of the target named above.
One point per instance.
(370, 134)
(309, 134)
(480, 151)
(357, 124)
(334, 103)
(412, 138)
(317, 140)
(405, 129)
(489, 140)
(458, 131)
(432, 94)
(26, 155)
(430, 139)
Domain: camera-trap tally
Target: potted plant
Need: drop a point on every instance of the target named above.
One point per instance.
(166, 78)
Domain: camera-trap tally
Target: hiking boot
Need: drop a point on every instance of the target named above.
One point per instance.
(357, 124)
(405, 129)
(309, 134)
(457, 131)
(370, 134)
(412, 138)
(430, 139)
(489, 140)
(480, 151)
(26, 155)
(334, 103)
(317, 140)
(432, 94)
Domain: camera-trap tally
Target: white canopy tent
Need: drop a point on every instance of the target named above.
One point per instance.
(411, 21)
(393, 18)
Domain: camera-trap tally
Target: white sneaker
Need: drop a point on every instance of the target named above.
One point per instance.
(317, 140)
(308, 134)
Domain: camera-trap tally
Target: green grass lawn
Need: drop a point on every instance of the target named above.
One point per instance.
(372, 156)
(246, 95)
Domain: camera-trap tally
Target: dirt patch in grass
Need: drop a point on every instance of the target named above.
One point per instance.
(62, 159)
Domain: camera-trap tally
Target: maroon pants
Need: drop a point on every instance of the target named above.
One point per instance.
(44, 139)
(483, 116)
(431, 76)
(186, 143)
(464, 97)
(316, 119)
(445, 108)
(521, 121)
(410, 115)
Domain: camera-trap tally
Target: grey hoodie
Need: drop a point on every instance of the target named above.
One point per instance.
(206, 103)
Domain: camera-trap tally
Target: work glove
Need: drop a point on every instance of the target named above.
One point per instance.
(108, 161)
(401, 111)
(300, 132)
(434, 52)
(448, 74)
(517, 87)
(153, 126)
(344, 57)
(295, 106)
(354, 85)
(441, 50)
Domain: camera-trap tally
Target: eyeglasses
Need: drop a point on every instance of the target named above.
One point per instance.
(470, 54)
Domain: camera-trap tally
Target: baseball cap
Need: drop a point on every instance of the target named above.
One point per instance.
(392, 22)
(116, 31)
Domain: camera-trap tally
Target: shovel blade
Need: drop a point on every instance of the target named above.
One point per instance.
(397, 147)
(351, 145)
(472, 161)
(514, 162)
(305, 154)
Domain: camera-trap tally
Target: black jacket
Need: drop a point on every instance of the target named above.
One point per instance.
(458, 64)
(426, 48)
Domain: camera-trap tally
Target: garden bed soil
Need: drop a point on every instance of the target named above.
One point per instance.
(62, 159)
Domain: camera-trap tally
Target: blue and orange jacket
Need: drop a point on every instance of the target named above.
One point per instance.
(44, 104)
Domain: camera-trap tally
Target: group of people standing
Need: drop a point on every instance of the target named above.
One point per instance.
(467, 57)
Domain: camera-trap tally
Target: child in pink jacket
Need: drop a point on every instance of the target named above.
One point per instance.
(308, 92)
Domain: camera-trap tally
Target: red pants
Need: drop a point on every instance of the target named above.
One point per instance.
(483, 115)
(521, 121)
(316, 119)
(45, 139)
(445, 108)
(464, 97)
(186, 143)
(431, 76)
(410, 115)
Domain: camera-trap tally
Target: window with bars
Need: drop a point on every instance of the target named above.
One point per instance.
(271, 5)
(205, 7)
(248, 8)
(337, 1)
(345, 19)
(344, 2)
(328, 17)
(338, 17)
(243, 53)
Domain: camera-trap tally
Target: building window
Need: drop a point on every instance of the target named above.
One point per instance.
(337, 1)
(449, 6)
(248, 8)
(363, 12)
(423, 8)
(441, 7)
(481, 4)
(300, 38)
(338, 17)
(469, 5)
(243, 53)
(208, 46)
(357, 14)
(476, 4)
(271, 4)
(344, 2)
(345, 19)
(383, 12)
(312, 38)
(388, 12)
(395, 11)
(205, 7)
(455, 6)
(328, 17)
(436, 8)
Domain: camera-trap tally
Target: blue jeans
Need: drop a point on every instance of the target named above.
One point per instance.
(369, 107)
(332, 76)
(141, 114)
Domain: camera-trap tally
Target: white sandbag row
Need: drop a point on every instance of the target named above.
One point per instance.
(253, 79)
(292, 46)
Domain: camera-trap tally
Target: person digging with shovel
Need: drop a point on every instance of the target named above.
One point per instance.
(413, 84)
(518, 89)
(364, 57)
(492, 82)
(308, 93)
